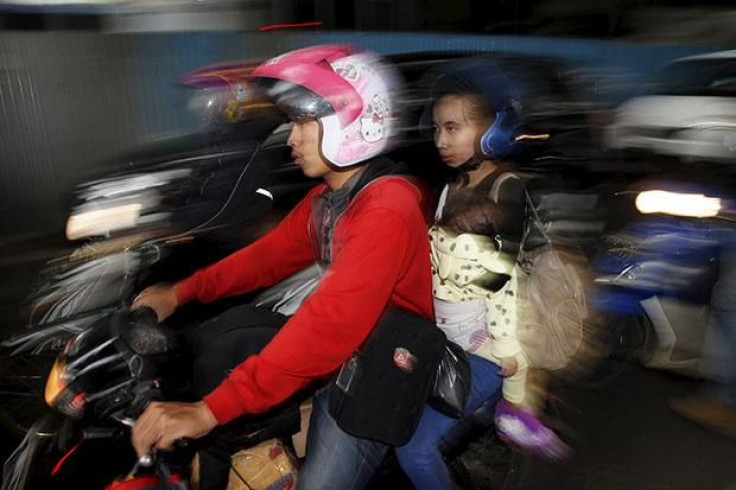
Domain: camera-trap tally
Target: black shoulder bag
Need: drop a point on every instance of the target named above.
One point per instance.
(381, 390)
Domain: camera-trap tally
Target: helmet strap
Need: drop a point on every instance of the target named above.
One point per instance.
(462, 171)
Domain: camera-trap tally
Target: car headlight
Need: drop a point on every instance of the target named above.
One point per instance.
(102, 221)
(678, 204)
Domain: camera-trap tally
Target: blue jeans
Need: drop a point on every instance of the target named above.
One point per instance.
(334, 458)
(421, 458)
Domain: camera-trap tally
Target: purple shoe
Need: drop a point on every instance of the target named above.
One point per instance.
(523, 429)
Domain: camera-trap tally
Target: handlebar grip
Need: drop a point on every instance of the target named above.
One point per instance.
(182, 443)
(145, 315)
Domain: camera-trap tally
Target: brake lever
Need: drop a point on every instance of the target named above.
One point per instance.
(147, 459)
(144, 461)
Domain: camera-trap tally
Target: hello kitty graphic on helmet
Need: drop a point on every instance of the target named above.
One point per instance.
(349, 91)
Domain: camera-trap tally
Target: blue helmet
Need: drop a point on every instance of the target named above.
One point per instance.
(500, 84)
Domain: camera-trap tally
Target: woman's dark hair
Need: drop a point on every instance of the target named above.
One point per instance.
(477, 108)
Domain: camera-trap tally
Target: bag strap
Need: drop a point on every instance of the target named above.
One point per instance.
(532, 219)
(536, 221)
(531, 213)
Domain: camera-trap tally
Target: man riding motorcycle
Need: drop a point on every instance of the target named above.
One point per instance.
(365, 225)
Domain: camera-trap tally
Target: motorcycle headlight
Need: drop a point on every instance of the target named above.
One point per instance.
(63, 393)
(55, 383)
(58, 393)
(99, 222)
(678, 204)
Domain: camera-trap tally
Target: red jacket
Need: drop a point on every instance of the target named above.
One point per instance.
(380, 256)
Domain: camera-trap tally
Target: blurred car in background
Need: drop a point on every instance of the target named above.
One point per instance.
(687, 110)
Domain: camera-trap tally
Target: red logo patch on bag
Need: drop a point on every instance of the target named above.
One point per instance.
(404, 360)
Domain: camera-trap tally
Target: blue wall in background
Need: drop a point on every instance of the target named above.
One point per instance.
(616, 67)
(71, 100)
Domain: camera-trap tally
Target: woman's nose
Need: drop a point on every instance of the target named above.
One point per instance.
(439, 139)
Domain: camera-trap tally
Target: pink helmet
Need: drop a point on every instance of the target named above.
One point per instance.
(349, 91)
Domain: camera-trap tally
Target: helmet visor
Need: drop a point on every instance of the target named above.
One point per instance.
(297, 102)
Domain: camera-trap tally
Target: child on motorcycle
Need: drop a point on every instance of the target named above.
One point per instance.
(468, 263)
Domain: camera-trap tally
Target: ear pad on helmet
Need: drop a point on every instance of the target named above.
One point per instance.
(498, 140)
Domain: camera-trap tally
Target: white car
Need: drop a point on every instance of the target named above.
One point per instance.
(687, 110)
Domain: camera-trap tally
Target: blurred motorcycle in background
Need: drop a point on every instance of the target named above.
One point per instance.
(654, 279)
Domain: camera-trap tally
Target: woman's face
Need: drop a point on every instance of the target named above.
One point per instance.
(455, 136)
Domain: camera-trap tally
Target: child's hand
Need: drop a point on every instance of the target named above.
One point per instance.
(508, 367)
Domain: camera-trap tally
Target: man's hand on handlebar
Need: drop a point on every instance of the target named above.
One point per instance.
(160, 297)
(163, 423)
